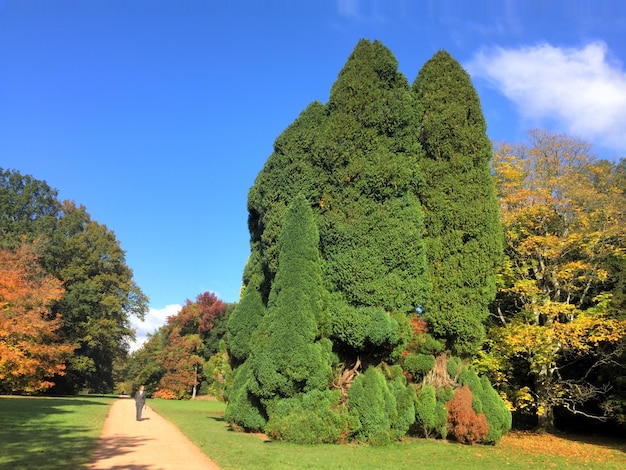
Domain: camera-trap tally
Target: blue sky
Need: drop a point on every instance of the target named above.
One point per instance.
(158, 115)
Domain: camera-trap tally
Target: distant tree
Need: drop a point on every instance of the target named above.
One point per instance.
(463, 230)
(31, 352)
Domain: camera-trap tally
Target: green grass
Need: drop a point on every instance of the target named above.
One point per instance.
(202, 422)
(50, 433)
(62, 433)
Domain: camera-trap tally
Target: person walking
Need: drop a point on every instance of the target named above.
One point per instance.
(140, 402)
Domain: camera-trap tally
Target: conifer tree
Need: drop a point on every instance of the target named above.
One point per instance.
(287, 356)
(463, 231)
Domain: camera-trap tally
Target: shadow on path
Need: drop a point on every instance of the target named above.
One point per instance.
(150, 444)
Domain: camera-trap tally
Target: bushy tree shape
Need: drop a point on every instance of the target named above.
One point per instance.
(463, 422)
(487, 401)
(311, 418)
(287, 357)
(245, 319)
(375, 405)
(463, 231)
(244, 410)
(425, 410)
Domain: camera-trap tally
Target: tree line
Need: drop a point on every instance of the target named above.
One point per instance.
(66, 293)
(404, 277)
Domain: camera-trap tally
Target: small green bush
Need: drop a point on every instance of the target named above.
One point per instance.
(370, 398)
(312, 418)
(418, 365)
(425, 405)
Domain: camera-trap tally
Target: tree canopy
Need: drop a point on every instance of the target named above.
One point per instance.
(99, 294)
(402, 204)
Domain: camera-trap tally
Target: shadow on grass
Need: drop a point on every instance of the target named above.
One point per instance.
(46, 433)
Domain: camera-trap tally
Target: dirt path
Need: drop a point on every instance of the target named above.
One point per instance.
(150, 444)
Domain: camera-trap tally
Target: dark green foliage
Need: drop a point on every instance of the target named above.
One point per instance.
(312, 418)
(361, 172)
(405, 401)
(418, 364)
(27, 207)
(463, 232)
(362, 328)
(245, 319)
(286, 357)
(373, 193)
(244, 409)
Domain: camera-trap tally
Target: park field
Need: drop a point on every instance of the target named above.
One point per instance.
(60, 433)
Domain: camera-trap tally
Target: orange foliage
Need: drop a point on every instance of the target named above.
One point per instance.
(30, 351)
(463, 423)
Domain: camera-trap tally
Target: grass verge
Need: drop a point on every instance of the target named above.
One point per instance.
(50, 433)
(203, 423)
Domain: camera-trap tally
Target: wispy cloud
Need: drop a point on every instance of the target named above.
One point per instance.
(581, 90)
(153, 320)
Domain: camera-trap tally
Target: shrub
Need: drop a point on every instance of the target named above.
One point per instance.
(312, 418)
(463, 422)
(487, 401)
(405, 402)
(497, 413)
(369, 397)
(419, 365)
(244, 409)
(425, 405)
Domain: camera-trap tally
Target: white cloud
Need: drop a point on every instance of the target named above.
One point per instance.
(152, 321)
(581, 90)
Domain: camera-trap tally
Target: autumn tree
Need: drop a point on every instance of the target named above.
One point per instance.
(191, 338)
(100, 293)
(463, 232)
(31, 351)
(557, 319)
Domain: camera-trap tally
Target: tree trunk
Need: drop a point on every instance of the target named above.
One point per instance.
(545, 408)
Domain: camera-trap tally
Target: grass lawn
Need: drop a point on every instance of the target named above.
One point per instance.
(202, 422)
(50, 433)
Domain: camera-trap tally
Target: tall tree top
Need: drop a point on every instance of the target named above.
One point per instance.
(370, 67)
(453, 124)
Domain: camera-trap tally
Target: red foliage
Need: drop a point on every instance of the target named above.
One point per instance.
(198, 316)
(463, 423)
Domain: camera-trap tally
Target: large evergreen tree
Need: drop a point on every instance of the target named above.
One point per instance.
(357, 159)
(463, 231)
(360, 162)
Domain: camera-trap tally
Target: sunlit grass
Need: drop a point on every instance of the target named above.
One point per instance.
(202, 422)
(50, 433)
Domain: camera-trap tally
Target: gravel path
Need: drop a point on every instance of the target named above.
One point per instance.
(150, 444)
